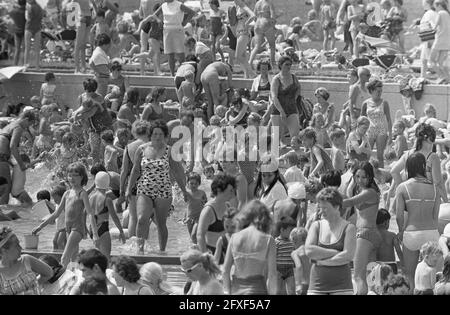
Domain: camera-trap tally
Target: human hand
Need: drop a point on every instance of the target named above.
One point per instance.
(36, 230)
(122, 238)
(283, 116)
(400, 236)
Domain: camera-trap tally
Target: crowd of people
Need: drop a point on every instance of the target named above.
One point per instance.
(314, 220)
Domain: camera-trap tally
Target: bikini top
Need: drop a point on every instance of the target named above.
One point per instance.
(217, 226)
(338, 245)
(365, 205)
(265, 87)
(422, 200)
(245, 260)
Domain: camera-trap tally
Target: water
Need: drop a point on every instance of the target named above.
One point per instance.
(37, 179)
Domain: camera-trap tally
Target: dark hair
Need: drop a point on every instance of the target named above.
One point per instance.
(190, 41)
(191, 57)
(159, 124)
(373, 84)
(79, 168)
(91, 257)
(49, 76)
(416, 164)
(22, 2)
(116, 66)
(90, 85)
(99, 167)
(221, 182)
(59, 190)
(290, 42)
(285, 223)
(255, 212)
(262, 62)
(132, 95)
(127, 268)
(188, 113)
(424, 132)
(394, 282)
(292, 158)
(101, 13)
(309, 133)
(259, 185)
(3, 181)
(336, 134)
(368, 169)
(108, 136)
(195, 176)
(103, 39)
(43, 195)
(383, 216)
(25, 158)
(296, 29)
(58, 269)
(331, 195)
(331, 178)
(446, 271)
(14, 109)
(123, 132)
(156, 93)
(93, 286)
(313, 187)
(282, 60)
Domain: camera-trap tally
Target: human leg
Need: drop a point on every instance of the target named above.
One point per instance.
(290, 286)
(172, 64)
(27, 39)
(325, 39)
(411, 259)
(259, 39)
(18, 41)
(62, 240)
(80, 48)
(104, 244)
(162, 207)
(270, 36)
(293, 125)
(156, 55)
(37, 49)
(381, 145)
(364, 248)
(144, 209)
(241, 55)
(71, 248)
(144, 48)
(276, 123)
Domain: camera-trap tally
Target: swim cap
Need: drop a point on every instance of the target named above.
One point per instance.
(102, 180)
(296, 190)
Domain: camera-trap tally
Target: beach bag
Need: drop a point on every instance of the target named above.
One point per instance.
(426, 36)
(232, 15)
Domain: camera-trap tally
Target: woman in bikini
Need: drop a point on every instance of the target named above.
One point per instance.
(421, 200)
(264, 28)
(210, 226)
(244, 17)
(140, 132)
(364, 195)
(152, 169)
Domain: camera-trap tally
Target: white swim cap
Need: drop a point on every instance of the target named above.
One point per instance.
(296, 190)
(102, 180)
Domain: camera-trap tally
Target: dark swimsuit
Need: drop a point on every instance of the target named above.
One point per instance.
(286, 97)
(216, 227)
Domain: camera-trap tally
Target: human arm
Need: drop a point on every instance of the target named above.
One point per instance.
(347, 254)
(274, 92)
(234, 120)
(180, 94)
(241, 191)
(115, 218)
(189, 13)
(312, 250)
(364, 109)
(40, 267)
(228, 263)
(317, 153)
(365, 196)
(353, 96)
(53, 217)
(124, 172)
(443, 241)
(351, 13)
(218, 252)
(398, 249)
(436, 174)
(178, 173)
(14, 147)
(400, 211)
(111, 6)
(87, 206)
(206, 218)
(135, 171)
(387, 112)
(272, 274)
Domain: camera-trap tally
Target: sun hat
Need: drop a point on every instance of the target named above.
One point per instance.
(296, 190)
(102, 180)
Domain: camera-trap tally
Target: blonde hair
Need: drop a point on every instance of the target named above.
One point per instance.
(153, 273)
(430, 248)
(209, 264)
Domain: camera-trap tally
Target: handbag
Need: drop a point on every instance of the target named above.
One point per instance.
(426, 36)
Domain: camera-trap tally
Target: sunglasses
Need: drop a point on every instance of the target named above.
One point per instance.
(189, 270)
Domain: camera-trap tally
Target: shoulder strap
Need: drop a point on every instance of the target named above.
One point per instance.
(407, 191)
(428, 156)
(214, 210)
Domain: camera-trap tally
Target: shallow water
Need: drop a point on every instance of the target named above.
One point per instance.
(178, 241)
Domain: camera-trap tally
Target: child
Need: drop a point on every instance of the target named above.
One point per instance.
(293, 173)
(111, 151)
(355, 12)
(113, 98)
(328, 19)
(74, 202)
(216, 15)
(377, 278)
(196, 199)
(337, 138)
(88, 99)
(64, 155)
(35, 102)
(123, 136)
(397, 285)
(425, 277)
(119, 80)
(43, 142)
(318, 123)
(187, 88)
(220, 111)
(237, 114)
(102, 207)
(400, 144)
(320, 160)
(60, 239)
(301, 261)
(390, 241)
(285, 263)
(48, 89)
(222, 243)
(100, 27)
(208, 171)
(313, 28)
(358, 147)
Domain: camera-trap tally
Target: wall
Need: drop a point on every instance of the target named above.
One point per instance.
(24, 85)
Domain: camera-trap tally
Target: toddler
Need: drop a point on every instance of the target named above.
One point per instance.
(196, 199)
(112, 99)
(425, 277)
(229, 225)
(390, 241)
(285, 263)
(323, 106)
(301, 261)
(187, 87)
(48, 89)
